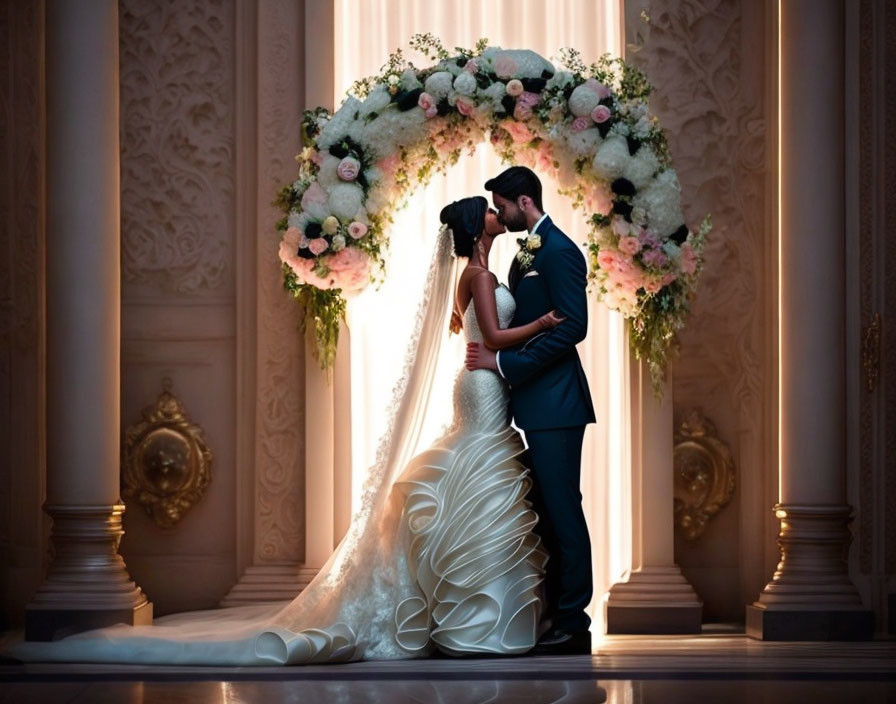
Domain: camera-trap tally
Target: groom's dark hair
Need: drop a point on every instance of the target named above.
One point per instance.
(515, 182)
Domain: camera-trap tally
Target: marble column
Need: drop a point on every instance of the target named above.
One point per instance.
(88, 584)
(655, 597)
(811, 596)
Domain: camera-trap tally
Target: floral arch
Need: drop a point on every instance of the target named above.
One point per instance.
(586, 126)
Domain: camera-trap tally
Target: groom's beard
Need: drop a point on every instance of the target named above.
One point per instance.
(516, 224)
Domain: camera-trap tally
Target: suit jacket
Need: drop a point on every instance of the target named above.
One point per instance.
(548, 388)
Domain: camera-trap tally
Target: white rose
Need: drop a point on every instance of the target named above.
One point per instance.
(330, 225)
(338, 243)
(582, 101)
(345, 200)
(439, 84)
(465, 83)
(611, 158)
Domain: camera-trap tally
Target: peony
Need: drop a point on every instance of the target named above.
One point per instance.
(629, 245)
(318, 246)
(350, 269)
(465, 106)
(328, 174)
(582, 101)
(600, 90)
(661, 198)
(357, 230)
(348, 168)
(345, 200)
(518, 131)
(611, 158)
(465, 83)
(314, 201)
(505, 66)
(330, 225)
(580, 123)
(600, 114)
(514, 87)
(439, 84)
(528, 99)
(522, 112)
(584, 143)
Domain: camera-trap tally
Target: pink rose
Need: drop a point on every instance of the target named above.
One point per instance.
(426, 101)
(357, 230)
(600, 114)
(318, 246)
(629, 245)
(580, 123)
(471, 66)
(465, 106)
(522, 112)
(606, 259)
(348, 168)
(528, 99)
(505, 66)
(514, 87)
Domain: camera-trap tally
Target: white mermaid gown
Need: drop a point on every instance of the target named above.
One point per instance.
(447, 559)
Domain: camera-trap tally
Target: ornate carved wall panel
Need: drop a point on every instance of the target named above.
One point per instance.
(177, 145)
(178, 165)
(707, 62)
(22, 341)
(280, 412)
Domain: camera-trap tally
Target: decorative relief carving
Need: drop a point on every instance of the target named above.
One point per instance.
(166, 466)
(177, 162)
(280, 412)
(707, 62)
(704, 475)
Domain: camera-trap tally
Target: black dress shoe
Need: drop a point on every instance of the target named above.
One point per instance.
(559, 642)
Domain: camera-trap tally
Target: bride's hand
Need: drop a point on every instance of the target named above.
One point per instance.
(456, 324)
(550, 320)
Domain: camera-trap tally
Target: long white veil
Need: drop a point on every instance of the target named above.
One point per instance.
(363, 594)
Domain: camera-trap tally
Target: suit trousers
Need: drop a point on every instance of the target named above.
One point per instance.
(555, 458)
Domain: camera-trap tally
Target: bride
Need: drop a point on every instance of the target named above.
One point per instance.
(442, 553)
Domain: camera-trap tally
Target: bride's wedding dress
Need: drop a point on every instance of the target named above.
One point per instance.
(440, 555)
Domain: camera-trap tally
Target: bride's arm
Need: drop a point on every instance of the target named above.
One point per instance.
(483, 289)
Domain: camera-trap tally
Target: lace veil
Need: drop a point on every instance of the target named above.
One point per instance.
(363, 594)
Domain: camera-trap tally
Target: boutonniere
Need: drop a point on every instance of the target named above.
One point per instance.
(528, 246)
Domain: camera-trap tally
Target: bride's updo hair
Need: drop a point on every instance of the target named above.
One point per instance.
(466, 218)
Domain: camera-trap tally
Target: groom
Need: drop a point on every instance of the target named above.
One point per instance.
(549, 399)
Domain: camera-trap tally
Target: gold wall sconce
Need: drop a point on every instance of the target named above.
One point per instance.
(166, 465)
(704, 475)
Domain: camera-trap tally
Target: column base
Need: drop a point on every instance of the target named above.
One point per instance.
(267, 583)
(654, 600)
(793, 624)
(53, 624)
(88, 585)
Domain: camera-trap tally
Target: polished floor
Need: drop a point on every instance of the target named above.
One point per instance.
(625, 669)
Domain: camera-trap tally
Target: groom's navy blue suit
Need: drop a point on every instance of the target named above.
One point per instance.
(551, 403)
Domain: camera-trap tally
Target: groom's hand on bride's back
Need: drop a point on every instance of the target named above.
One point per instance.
(480, 357)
